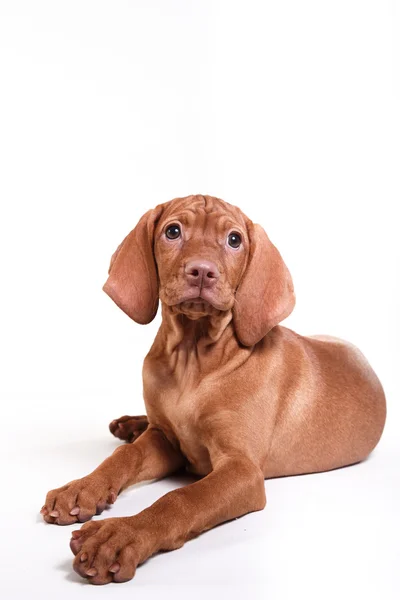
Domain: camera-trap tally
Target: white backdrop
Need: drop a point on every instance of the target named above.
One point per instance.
(288, 110)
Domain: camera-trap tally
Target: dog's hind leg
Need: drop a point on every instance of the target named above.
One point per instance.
(129, 428)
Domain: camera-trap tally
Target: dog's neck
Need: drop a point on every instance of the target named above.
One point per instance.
(201, 343)
(206, 332)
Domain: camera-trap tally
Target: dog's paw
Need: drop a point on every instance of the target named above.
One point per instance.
(79, 500)
(108, 550)
(129, 428)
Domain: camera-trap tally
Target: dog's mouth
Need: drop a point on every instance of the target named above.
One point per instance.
(197, 303)
(196, 308)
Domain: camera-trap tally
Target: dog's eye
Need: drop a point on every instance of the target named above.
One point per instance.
(173, 232)
(234, 240)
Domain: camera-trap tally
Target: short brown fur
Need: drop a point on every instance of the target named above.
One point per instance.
(230, 395)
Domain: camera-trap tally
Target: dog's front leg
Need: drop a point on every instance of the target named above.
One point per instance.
(110, 550)
(150, 457)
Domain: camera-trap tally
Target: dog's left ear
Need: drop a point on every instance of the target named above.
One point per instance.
(133, 280)
(265, 295)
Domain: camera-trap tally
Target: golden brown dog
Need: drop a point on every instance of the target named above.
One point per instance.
(229, 394)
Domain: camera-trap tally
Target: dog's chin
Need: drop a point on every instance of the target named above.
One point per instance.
(195, 309)
(199, 306)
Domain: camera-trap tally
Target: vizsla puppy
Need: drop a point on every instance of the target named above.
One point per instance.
(230, 395)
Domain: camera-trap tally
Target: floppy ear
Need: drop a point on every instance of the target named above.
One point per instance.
(133, 281)
(265, 295)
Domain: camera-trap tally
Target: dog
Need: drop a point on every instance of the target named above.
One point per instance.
(230, 395)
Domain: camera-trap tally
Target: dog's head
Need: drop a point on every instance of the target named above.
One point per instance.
(200, 254)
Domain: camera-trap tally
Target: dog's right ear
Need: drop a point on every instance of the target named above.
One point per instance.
(133, 282)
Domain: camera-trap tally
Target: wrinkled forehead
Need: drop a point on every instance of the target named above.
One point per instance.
(205, 212)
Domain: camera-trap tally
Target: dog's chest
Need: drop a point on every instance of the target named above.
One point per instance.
(191, 442)
(179, 411)
(182, 423)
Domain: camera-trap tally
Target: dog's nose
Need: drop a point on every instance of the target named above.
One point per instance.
(202, 273)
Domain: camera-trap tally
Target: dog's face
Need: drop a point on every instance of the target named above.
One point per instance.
(201, 249)
(200, 255)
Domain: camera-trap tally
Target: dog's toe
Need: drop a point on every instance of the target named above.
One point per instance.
(128, 428)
